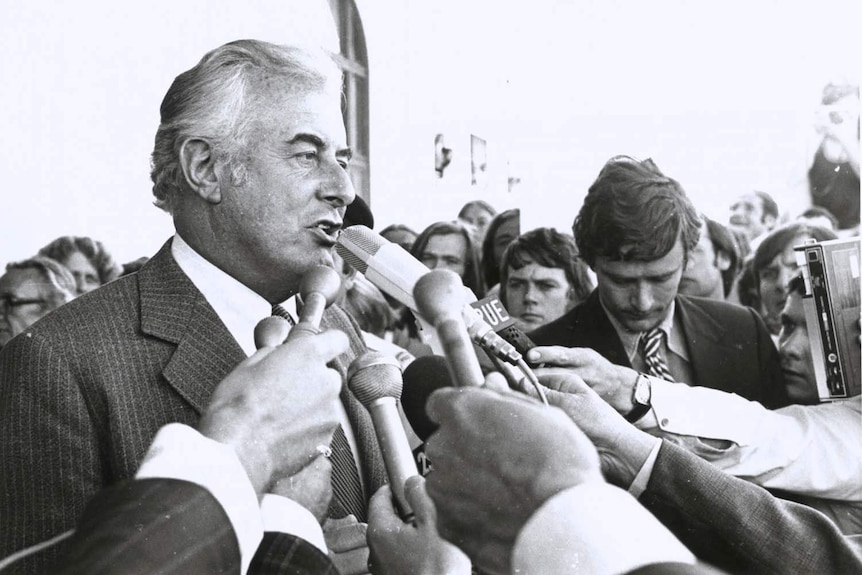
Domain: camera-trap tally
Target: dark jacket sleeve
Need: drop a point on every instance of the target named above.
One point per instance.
(740, 527)
(146, 526)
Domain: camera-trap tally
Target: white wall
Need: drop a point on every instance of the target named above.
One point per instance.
(721, 95)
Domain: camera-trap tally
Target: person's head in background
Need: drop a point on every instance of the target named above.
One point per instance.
(713, 263)
(542, 277)
(820, 217)
(88, 260)
(754, 214)
(449, 246)
(362, 299)
(399, 234)
(794, 347)
(839, 110)
(636, 229)
(29, 290)
(478, 214)
(505, 227)
(774, 264)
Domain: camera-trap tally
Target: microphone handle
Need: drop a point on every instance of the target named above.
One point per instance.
(309, 319)
(397, 455)
(458, 349)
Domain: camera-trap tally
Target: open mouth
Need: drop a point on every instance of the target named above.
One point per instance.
(328, 229)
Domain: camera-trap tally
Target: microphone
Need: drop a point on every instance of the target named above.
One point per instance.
(440, 297)
(394, 271)
(375, 380)
(270, 332)
(318, 289)
(423, 376)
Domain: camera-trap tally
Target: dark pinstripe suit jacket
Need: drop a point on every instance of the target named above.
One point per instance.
(123, 530)
(83, 392)
(729, 347)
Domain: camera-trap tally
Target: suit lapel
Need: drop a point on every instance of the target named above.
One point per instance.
(174, 310)
(594, 329)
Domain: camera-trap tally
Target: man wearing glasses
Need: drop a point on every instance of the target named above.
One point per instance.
(29, 290)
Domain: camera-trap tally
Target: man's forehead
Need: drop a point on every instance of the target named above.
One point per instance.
(668, 263)
(536, 272)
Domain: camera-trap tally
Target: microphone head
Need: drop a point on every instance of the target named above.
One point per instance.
(374, 375)
(323, 280)
(270, 332)
(439, 294)
(423, 376)
(356, 244)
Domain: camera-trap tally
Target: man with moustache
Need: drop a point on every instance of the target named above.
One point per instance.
(636, 230)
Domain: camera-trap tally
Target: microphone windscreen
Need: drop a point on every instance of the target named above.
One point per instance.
(423, 376)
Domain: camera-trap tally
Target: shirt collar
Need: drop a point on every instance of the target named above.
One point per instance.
(237, 306)
(631, 339)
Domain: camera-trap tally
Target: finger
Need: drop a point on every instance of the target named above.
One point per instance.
(381, 510)
(420, 502)
(553, 354)
(496, 381)
(439, 405)
(328, 345)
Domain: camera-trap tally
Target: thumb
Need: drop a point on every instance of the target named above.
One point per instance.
(417, 497)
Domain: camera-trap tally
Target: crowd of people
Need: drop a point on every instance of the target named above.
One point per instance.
(147, 427)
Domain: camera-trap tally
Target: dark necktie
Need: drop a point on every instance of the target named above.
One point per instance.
(651, 345)
(348, 497)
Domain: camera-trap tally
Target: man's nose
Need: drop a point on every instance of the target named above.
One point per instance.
(642, 298)
(338, 187)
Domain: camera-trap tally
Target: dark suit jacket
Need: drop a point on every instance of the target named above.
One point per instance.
(740, 527)
(729, 347)
(84, 390)
(168, 526)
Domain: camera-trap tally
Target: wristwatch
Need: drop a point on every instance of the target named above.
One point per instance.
(641, 395)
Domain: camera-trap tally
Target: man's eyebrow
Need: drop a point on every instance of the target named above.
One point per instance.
(318, 142)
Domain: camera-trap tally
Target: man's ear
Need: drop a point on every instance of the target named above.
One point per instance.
(197, 161)
(722, 261)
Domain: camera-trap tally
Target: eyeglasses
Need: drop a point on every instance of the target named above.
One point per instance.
(9, 302)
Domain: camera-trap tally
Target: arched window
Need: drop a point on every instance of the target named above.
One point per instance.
(353, 60)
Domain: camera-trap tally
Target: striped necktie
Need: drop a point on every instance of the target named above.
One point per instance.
(651, 349)
(348, 497)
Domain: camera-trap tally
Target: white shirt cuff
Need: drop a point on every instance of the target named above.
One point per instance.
(287, 516)
(594, 528)
(181, 452)
(641, 480)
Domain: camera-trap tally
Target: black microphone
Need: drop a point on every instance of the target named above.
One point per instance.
(423, 376)
(440, 298)
(318, 289)
(375, 380)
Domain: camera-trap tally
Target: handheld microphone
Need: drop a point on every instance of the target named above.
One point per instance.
(440, 297)
(375, 380)
(423, 377)
(318, 290)
(270, 332)
(394, 271)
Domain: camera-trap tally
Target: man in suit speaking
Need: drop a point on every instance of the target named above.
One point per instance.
(250, 160)
(635, 230)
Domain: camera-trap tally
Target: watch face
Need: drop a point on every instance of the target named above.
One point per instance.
(642, 391)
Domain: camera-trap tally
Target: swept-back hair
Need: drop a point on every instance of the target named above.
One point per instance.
(471, 278)
(723, 241)
(633, 212)
(215, 100)
(548, 248)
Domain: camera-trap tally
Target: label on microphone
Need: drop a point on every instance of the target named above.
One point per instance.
(422, 462)
(492, 311)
